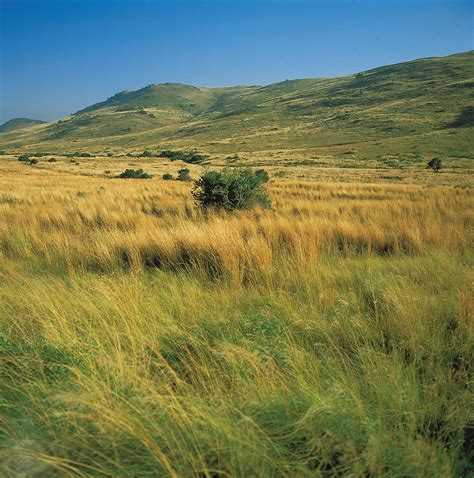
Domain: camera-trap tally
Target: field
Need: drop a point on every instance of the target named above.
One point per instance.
(330, 336)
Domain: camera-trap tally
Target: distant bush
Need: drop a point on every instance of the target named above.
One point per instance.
(183, 175)
(147, 154)
(167, 176)
(191, 157)
(109, 154)
(52, 160)
(232, 189)
(135, 174)
(33, 161)
(24, 158)
(263, 175)
(79, 155)
(434, 164)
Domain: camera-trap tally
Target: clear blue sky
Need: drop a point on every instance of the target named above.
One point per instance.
(60, 56)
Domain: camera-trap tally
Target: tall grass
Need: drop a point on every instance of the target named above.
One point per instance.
(332, 336)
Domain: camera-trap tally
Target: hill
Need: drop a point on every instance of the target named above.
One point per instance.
(18, 123)
(422, 106)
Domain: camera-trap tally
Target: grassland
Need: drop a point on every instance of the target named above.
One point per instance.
(330, 336)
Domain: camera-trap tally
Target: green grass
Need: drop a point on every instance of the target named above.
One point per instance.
(357, 367)
(422, 105)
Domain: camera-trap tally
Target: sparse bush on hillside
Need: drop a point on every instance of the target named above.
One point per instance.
(434, 164)
(167, 176)
(135, 174)
(232, 189)
(24, 158)
(79, 155)
(183, 175)
(52, 160)
(147, 154)
(192, 157)
(33, 161)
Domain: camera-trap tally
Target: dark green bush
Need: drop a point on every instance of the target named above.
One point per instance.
(183, 175)
(33, 161)
(147, 154)
(24, 158)
(434, 164)
(52, 160)
(191, 157)
(167, 176)
(263, 175)
(135, 174)
(231, 190)
(79, 155)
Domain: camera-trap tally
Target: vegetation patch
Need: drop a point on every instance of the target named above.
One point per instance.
(134, 174)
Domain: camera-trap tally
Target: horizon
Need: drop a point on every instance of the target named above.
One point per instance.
(236, 43)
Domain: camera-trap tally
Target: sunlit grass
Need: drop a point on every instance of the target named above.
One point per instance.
(330, 336)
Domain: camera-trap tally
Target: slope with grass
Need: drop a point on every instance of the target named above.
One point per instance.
(18, 123)
(421, 106)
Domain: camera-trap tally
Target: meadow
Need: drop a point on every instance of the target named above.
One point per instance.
(329, 336)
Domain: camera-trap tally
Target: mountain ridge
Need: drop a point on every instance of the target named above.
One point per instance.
(19, 123)
(401, 100)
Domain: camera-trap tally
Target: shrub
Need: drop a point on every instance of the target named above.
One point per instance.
(434, 164)
(24, 157)
(231, 190)
(167, 176)
(147, 154)
(183, 175)
(33, 161)
(79, 155)
(52, 160)
(135, 174)
(192, 157)
(263, 175)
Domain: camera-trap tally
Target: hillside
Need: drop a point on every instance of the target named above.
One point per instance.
(422, 106)
(18, 123)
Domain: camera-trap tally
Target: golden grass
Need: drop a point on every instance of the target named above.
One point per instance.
(97, 223)
(331, 336)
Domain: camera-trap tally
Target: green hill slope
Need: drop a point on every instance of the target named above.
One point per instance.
(424, 105)
(18, 123)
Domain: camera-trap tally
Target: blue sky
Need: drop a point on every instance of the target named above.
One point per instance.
(59, 56)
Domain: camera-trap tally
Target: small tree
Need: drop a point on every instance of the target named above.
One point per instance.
(167, 176)
(231, 190)
(183, 175)
(434, 164)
